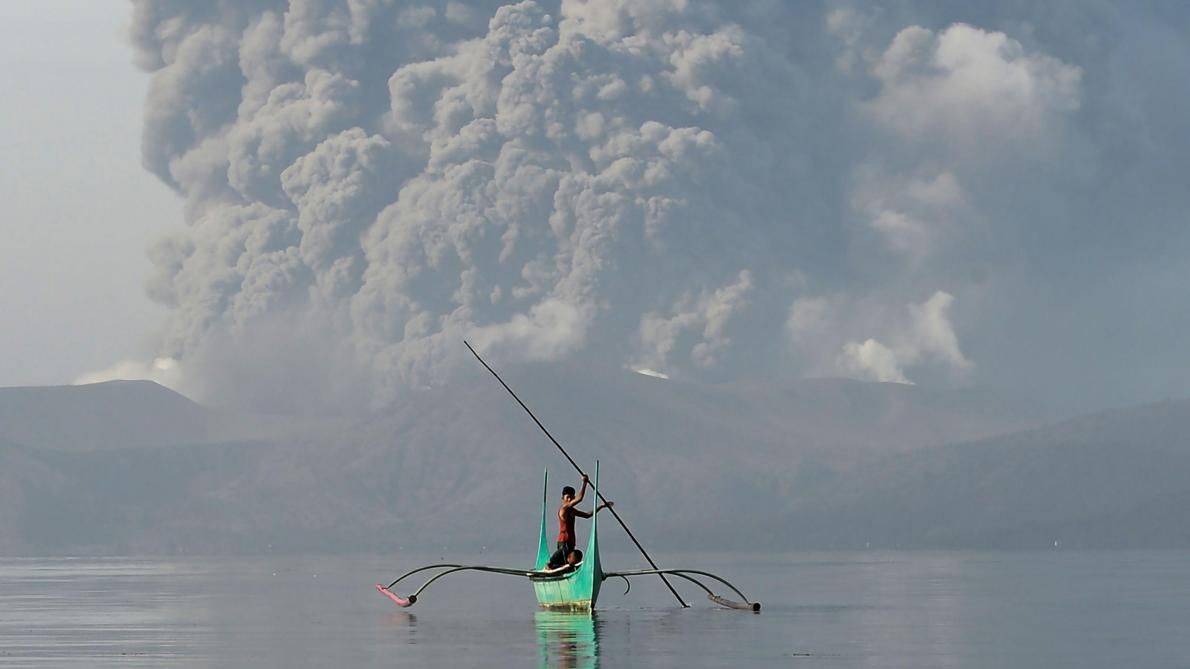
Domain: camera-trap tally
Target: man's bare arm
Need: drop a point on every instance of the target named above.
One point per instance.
(587, 514)
(581, 492)
(555, 570)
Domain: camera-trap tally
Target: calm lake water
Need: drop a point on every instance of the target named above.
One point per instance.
(1053, 609)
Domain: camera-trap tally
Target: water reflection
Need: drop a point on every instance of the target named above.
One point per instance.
(406, 623)
(569, 640)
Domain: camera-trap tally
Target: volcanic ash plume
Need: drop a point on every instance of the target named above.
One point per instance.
(550, 182)
(369, 182)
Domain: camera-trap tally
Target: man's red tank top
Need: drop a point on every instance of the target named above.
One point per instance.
(566, 525)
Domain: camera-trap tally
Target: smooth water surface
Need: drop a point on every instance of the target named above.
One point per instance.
(1053, 609)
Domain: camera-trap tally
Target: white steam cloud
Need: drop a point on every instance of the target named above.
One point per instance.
(893, 340)
(965, 85)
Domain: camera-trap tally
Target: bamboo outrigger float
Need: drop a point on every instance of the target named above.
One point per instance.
(578, 589)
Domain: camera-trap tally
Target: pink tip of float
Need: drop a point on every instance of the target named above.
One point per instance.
(400, 601)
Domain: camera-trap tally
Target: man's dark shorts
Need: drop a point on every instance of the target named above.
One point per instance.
(559, 557)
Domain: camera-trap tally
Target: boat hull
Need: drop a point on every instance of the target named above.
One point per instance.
(574, 592)
(578, 590)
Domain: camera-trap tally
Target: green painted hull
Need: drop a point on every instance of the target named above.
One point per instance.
(578, 590)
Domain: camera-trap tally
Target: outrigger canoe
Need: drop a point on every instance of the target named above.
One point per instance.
(577, 590)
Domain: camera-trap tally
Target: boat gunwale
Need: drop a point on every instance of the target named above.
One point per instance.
(538, 577)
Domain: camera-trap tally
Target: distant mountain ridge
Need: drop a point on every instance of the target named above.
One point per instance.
(1113, 479)
(115, 414)
(814, 464)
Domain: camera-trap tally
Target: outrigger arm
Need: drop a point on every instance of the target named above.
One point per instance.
(386, 590)
(746, 605)
(450, 568)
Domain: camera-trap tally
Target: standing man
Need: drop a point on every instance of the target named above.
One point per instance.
(566, 514)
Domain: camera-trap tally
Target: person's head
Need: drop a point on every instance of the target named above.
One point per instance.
(567, 494)
(575, 557)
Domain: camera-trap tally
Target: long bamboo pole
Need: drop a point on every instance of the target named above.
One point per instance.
(580, 471)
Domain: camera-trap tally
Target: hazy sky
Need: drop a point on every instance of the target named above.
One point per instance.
(79, 211)
(921, 192)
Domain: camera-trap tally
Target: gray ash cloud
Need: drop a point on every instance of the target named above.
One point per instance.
(703, 189)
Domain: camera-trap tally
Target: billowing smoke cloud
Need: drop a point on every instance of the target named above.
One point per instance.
(696, 188)
(587, 179)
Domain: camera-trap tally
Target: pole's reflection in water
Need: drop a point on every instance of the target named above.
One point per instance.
(568, 640)
(406, 622)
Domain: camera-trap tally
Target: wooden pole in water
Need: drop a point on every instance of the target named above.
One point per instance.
(580, 471)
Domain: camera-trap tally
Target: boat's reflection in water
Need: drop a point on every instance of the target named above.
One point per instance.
(567, 639)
